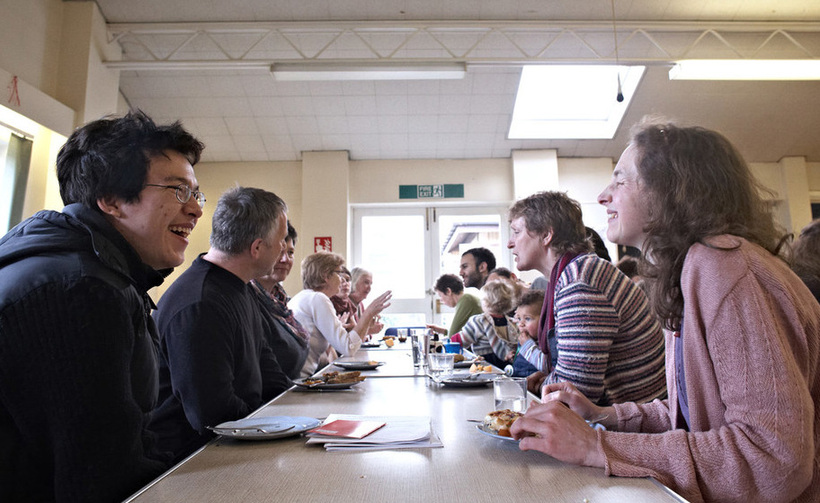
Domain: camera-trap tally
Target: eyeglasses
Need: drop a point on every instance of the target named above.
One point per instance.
(183, 193)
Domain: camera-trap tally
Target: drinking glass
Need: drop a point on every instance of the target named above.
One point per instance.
(441, 363)
(510, 393)
(421, 347)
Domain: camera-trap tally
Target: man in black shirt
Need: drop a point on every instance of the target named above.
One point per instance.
(217, 365)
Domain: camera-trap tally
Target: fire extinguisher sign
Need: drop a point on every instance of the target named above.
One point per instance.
(322, 244)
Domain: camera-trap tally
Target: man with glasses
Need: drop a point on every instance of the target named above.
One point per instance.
(78, 372)
(216, 363)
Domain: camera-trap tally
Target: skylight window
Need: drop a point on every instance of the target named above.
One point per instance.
(572, 101)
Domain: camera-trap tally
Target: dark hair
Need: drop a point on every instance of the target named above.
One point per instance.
(111, 156)
(450, 281)
(805, 258)
(628, 265)
(554, 211)
(243, 215)
(695, 185)
(482, 255)
(598, 245)
(502, 271)
(291, 233)
(532, 297)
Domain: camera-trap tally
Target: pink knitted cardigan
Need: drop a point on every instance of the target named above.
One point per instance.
(751, 351)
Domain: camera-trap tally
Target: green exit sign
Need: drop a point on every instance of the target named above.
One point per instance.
(439, 191)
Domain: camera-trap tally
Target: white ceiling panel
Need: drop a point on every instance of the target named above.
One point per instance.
(244, 114)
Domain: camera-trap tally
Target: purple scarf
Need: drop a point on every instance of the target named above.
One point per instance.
(547, 321)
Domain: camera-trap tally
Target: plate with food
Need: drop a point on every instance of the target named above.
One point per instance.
(467, 380)
(462, 362)
(265, 428)
(359, 365)
(498, 422)
(484, 368)
(330, 380)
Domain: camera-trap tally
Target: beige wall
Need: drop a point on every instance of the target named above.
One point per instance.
(377, 182)
(30, 32)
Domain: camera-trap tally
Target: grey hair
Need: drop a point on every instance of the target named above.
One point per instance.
(355, 274)
(243, 215)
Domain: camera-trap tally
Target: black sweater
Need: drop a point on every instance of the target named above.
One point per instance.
(78, 368)
(216, 364)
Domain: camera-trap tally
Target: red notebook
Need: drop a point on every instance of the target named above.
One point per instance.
(347, 429)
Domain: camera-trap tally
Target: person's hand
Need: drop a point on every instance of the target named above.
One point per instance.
(378, 305)
(554, 429)
(376, 327)
(347, 321)
(437, 329)
(535, 381)
(523, 338)
(568, 394)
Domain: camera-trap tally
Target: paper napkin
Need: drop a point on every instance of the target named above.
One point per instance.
(398, 432)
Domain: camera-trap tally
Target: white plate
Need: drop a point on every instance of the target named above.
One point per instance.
(490, 433)
(467, 381)
(360, 365)
(324, 386)
(274, 426)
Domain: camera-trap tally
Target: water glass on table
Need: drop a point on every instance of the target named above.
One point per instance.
(510, 393)
(421, 347)
(441, 364)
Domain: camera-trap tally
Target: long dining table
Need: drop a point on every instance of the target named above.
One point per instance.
(470, 467)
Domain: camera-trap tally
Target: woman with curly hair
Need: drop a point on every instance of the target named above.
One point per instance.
(742, 421)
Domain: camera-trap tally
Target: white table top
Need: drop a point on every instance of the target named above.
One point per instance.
(470, 467)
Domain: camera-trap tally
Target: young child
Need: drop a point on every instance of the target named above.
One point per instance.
(527, 315)
(492, 334)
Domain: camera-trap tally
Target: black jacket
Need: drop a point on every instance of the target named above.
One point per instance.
(78, 361)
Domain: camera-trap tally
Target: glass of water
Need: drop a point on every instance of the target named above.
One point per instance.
(510, 393)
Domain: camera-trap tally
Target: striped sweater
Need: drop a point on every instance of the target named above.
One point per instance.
(610, 346)
(481, 334)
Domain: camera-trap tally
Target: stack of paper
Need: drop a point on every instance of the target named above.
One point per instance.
(398, 432)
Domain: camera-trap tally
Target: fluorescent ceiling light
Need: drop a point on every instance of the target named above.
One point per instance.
(572, 101)
(367, 71)
(746, 69)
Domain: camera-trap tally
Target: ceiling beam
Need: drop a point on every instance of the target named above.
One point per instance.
(258, 45)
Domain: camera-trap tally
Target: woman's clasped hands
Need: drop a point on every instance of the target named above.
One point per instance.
(557, 426)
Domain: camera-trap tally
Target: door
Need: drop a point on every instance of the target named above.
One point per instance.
(408, 247)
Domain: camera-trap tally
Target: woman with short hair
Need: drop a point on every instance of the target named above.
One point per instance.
(314, 310)
(286, 336)
(596, 329)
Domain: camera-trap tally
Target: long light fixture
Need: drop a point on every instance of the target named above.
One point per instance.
(367, 71)
(746, 69)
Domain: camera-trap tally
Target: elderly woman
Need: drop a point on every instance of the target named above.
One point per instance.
(361, 282)
(742, 342)
(321, 279)
(450, 291)
(283, 332)
(346, 310)
(596, 330)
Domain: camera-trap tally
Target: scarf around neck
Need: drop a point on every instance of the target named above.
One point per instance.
(547, 321)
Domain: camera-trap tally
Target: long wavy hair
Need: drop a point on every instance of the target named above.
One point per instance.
(696, 186)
